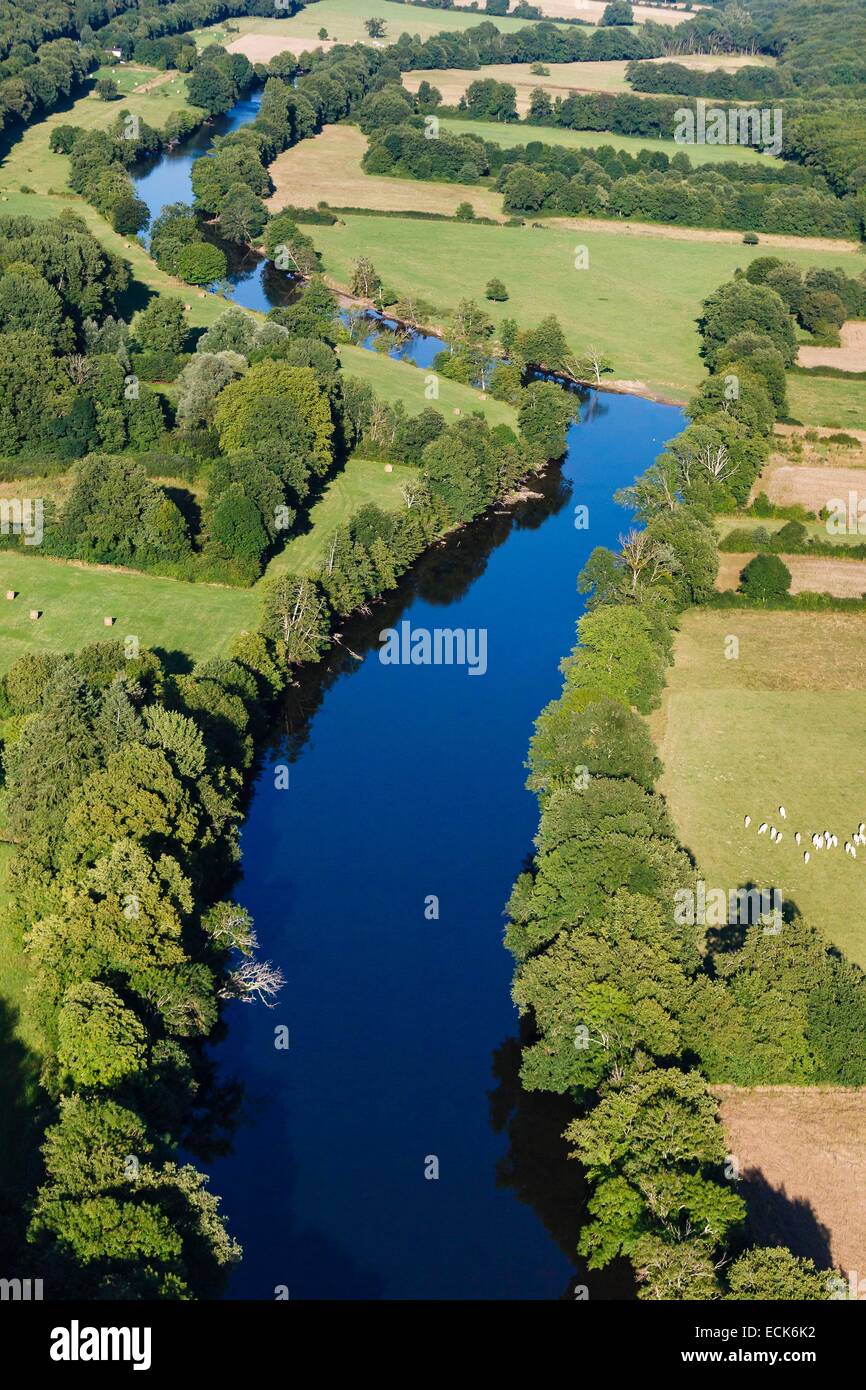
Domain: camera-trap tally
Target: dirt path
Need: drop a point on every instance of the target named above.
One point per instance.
(158, 81)
(650, 229)
(850, 356)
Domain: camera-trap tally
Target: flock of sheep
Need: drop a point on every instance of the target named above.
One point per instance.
(821, 839)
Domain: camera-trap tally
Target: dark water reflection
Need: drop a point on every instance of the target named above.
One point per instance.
(407, 782)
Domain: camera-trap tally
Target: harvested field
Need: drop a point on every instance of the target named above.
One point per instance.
(802, 1155)
(592, 11)
(261, 48)
(850, 356)
(563, 78)
(812, 487)
(818, 574)
(328, 168)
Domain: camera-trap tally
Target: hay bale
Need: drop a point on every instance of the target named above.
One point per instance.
(108, 622)
(11, 593)
(35, 614)
(389, 468)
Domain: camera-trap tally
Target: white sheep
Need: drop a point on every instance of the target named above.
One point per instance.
(806, 856)
(783, 813)
(797, 836)
(762, 828)
(747, 821)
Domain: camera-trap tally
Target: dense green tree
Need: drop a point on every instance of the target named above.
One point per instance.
(585, 730)
(101, 1041)
(200, 263)
(616, 657)
(162, 326)
(741, 307)
(242, 216)
(544, 415)
(764, 578)
(281, 412)
(775, 1274)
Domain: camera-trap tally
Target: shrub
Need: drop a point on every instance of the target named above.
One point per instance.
(765, 577)
(201, 264)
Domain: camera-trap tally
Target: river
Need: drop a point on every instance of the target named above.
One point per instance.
(405, 783)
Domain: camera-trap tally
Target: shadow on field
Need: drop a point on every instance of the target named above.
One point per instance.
(777, 1219)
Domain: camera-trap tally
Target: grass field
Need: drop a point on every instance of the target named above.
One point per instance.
(815, 529)
(638, 300)
(831, 401)
(780, 725)
(199, 619)
(394, 380)
(362, 481)
(592, 11)
(509, 134)
(344, 21)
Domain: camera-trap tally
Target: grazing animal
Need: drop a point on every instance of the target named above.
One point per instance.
(773, 832)
(778, 837)
(853, 852)
(861, 827)
(848, 846)
(783, 813)
(797, 836)
(806, 856)
(762, 828)
(747, 821)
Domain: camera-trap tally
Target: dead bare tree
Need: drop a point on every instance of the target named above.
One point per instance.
(254, 981)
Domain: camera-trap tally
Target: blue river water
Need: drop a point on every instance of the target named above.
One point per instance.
(404, 782)
(407, 783)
